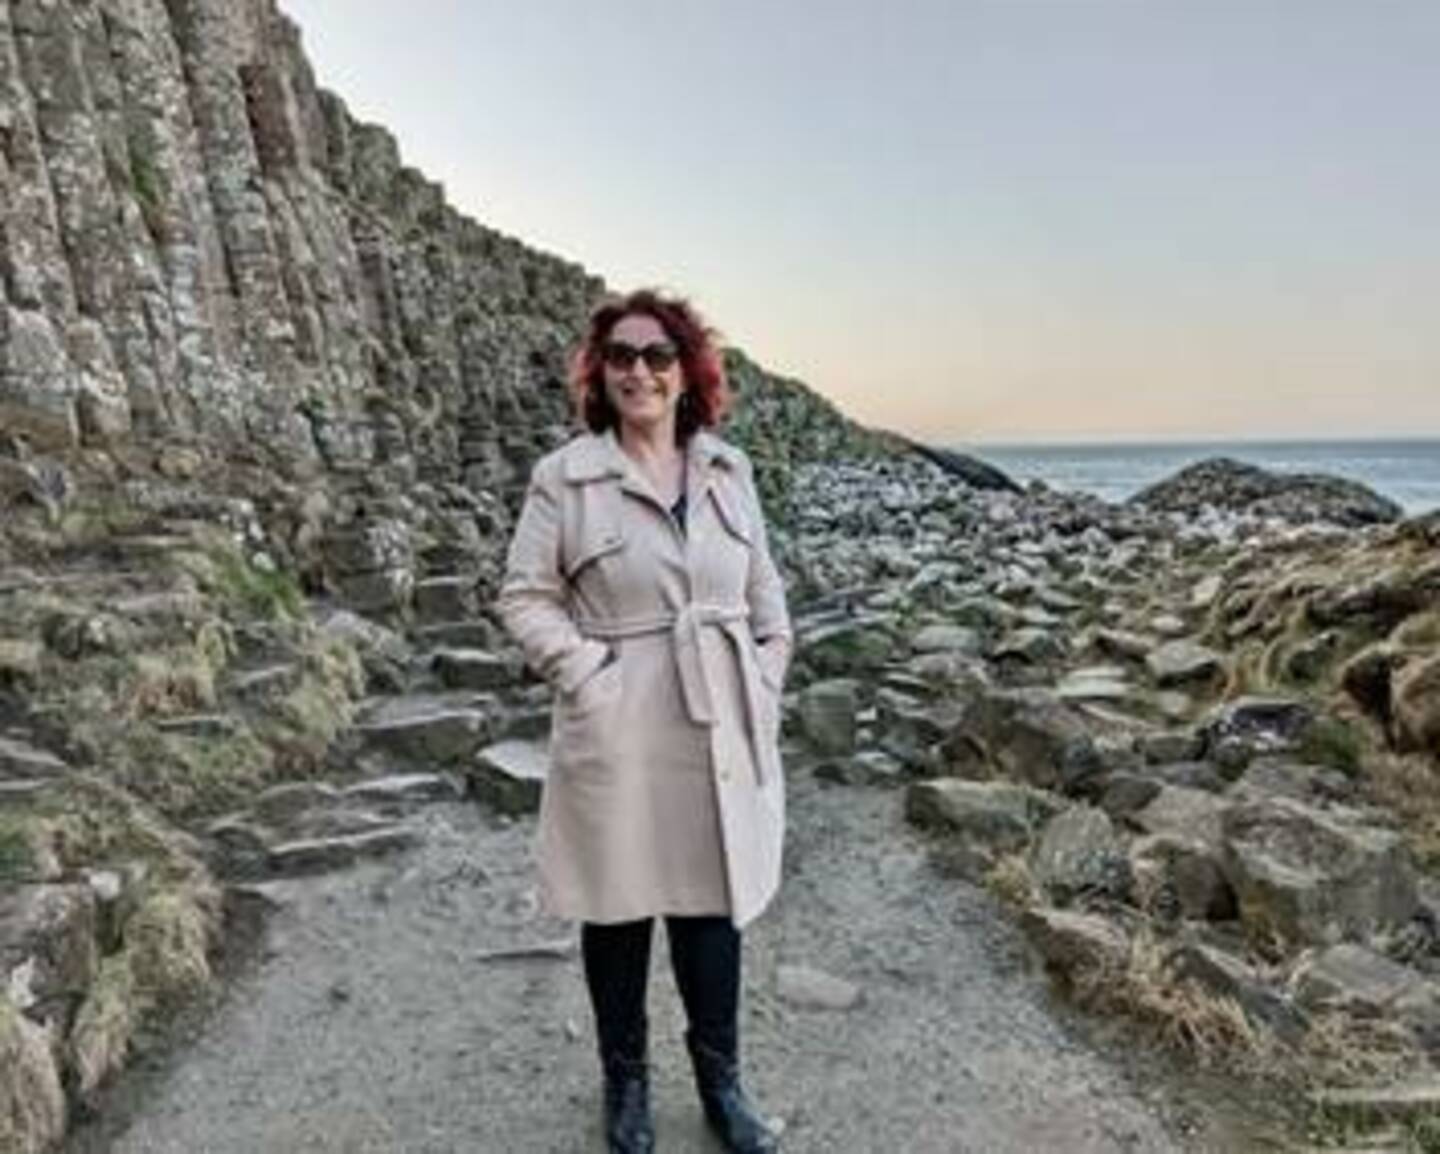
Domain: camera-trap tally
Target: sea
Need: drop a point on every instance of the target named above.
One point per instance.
(1406, 471)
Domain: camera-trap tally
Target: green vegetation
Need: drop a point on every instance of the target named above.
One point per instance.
(254, 591)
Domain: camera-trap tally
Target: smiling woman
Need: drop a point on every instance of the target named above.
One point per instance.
(640, 584)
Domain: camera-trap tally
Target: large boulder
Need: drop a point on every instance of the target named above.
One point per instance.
(1304, 876)
(1233, 486)
(1026, 735)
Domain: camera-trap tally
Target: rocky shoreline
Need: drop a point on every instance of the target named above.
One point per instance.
(1195, 750)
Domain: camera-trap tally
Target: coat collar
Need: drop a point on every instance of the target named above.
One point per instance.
(596, 456)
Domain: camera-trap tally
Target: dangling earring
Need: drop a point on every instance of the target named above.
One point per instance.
(685, 408)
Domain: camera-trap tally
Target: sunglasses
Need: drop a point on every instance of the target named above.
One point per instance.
(657, 357)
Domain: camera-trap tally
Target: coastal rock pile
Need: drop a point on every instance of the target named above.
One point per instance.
(1177, 741)
(1233, 486)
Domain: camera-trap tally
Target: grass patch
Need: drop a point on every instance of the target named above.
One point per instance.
(257, 592)
(1335, 744)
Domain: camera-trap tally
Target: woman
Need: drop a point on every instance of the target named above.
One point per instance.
(639, 583)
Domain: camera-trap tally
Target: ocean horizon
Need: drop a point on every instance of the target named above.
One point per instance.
(1405, 470)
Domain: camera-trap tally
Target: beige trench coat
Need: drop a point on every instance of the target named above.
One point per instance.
(665, 793)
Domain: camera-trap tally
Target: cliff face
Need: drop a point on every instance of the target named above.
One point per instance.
(197, 243)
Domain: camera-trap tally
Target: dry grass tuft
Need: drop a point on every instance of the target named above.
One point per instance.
(1181, 1014)
(1010, 880)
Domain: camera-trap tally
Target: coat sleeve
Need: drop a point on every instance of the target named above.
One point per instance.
(534, 602)
(765, 596)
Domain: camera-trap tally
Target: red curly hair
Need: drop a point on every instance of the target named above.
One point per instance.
(707, 395)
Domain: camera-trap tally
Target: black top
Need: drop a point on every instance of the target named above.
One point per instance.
(677, 511)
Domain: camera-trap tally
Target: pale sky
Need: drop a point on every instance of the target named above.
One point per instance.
(965, 220)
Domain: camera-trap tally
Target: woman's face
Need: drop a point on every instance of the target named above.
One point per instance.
(643, 377)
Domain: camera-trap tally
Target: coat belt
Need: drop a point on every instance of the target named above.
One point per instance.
(695, 683)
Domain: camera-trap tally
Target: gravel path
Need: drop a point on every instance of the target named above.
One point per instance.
(374, 1020)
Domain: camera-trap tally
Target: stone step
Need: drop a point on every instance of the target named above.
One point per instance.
(445, 599)
(405, 787)
(475, 634)
(317, 855)
(19, 760)
(436, 733)
(475, 669)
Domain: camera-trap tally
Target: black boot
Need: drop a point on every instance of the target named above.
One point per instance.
(730, 1113)
(628, 1126)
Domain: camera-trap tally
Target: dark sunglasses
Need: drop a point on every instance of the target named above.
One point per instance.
(657, 357)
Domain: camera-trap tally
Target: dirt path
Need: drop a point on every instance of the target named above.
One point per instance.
(374, 1022)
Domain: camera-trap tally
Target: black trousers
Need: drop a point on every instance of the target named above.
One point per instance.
(705, 955)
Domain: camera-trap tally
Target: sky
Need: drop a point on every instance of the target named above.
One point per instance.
(968, 220)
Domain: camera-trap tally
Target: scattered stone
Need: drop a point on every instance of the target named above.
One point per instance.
(1194, 813)
(999, 816)
(947, 639)
(1073, 944)
(1182, 877)
(1262, 724)
(555, 950)
(1184, 663)
(867, 767)
(1079, 854)
(509, 776)
(827, 713)
(807, 988)
(1094, 683)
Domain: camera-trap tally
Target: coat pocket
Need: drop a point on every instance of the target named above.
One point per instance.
(597, 692)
